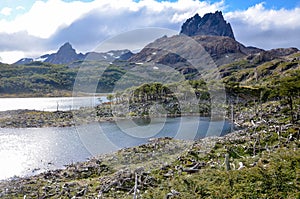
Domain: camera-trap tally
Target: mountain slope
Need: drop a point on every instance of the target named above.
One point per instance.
(262, 68)
(177, 51)
(205, 39)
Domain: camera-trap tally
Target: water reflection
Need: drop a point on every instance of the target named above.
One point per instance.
(50, 103)
(34, 150)
(30, 151)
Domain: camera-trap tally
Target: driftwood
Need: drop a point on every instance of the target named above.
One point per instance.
(135, 187)
(194, 169)
(124, 180)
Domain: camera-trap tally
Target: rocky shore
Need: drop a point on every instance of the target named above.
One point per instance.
(40, 119)
(35, 119)
(260, 161)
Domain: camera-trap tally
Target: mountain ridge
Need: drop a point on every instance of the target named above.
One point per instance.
(212, 34)
(66, 54)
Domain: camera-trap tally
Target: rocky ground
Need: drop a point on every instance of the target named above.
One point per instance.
(260, 161)
(39, 119)
(32, 119)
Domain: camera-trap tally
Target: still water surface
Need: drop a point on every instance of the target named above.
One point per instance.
(49, 103)
(34, 150)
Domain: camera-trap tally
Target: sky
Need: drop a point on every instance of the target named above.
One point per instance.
(33, 28)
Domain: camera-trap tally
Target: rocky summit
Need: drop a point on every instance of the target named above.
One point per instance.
(65, 54)
(210, 24)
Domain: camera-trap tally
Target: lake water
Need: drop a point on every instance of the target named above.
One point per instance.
(49, 103)
(34, 150)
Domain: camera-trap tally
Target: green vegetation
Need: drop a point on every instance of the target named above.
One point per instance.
(183, 97)
(248, 72)
(36, 78)
(44, 79)
(289, 90)
(260, 160)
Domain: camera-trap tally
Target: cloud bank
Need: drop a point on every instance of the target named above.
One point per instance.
(260, 27)
(6, 11)
(48, 24)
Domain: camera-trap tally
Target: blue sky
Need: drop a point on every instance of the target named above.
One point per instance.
(19, 7)
(244, 4)
(269, 4)
(30, 28)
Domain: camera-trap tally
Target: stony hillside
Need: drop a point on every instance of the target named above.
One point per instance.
(262, 68)
(183, 51)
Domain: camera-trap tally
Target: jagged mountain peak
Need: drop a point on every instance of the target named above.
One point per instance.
(66, 47)
(212, 24)
(65, 54)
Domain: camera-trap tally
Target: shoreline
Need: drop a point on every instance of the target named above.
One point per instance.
(99, 176)
(109, 156)
(255, 154)
(59, 94)
(24, 118)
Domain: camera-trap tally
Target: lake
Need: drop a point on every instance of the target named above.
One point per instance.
(33, 150)
(50, 103)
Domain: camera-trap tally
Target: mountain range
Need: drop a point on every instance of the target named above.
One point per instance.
(211, 32)
(204, 48)
(204, 42)
(66, 54)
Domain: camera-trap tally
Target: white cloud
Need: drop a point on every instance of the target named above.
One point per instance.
(6, 11)
(11, 56)
(44, 18)
(109, 18)
(186, 9)
(84, 23)
(259, 16)
(266, 28)
(50, 23)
